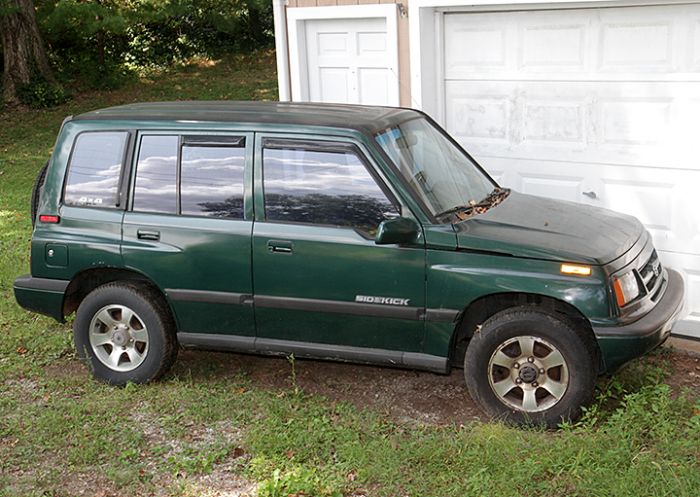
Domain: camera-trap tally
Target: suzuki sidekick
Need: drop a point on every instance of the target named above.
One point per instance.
(361, 234)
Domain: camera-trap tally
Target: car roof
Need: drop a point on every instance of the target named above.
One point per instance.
(365, 118)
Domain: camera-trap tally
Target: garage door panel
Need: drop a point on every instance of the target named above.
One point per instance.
(550, 42)
(552, 186)
(474, 43)
(550, 121)
(652, 203)
(560, 46)
(553, 180)
(474, 118)
(620, 41)
(634, 121)
(631, 124)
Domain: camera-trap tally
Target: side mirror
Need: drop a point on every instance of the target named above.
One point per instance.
(397, 231)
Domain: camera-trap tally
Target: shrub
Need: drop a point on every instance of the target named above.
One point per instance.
(40, 94)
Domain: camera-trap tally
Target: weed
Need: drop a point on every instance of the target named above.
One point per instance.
(297, 482)
(292, 363)
(40, 94)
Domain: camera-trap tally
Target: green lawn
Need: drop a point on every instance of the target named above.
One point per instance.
(207, 429)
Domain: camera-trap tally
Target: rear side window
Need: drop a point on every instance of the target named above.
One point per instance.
(95, 168)
(209, 171)
(211, 181)
(156, 175)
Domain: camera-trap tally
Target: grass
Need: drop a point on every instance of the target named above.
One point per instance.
(206, 431)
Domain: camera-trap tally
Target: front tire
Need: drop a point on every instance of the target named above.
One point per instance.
(125, 333)
(527, 366)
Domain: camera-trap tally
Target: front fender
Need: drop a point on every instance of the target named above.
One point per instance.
(455, 279)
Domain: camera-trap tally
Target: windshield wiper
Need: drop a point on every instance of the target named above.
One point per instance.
(463, 212)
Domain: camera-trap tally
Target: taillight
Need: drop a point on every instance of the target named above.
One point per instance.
(49, 219)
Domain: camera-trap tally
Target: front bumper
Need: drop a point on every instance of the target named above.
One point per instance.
(619, 344)
(41, 295)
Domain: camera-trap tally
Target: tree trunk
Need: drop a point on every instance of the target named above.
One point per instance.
(23, 48)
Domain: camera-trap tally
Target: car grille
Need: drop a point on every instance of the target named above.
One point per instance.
(652, 275)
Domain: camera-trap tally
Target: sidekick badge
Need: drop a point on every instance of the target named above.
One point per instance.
(367, 299)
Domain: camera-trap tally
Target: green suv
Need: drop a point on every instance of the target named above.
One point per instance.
(362, 234)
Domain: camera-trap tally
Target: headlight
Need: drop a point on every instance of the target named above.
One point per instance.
(626, 288)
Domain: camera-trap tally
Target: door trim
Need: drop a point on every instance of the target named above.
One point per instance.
(268, 346)
(340, 307)
(296, 28)
(211, 297)
(316, 305)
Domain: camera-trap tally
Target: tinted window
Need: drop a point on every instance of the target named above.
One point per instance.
(156, 175)
(212, 181)
(322, 187)
(95, 167)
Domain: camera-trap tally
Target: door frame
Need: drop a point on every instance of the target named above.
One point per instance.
(296, 29)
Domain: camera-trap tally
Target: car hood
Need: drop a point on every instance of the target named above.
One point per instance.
(536, 227)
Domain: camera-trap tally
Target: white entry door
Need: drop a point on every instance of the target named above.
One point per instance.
(598, 106)
(351, 61)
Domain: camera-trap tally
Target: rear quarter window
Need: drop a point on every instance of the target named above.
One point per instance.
(95, 168)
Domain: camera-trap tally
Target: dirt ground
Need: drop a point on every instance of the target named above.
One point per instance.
(407, 396)
(404, 395)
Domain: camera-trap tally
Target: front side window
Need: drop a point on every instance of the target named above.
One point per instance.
(438, 172)
(95, 168)
(322, 186)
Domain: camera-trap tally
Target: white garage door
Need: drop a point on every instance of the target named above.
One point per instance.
(350, 61)
(599, 106)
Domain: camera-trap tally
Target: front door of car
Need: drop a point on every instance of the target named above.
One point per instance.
(318, 275)
(189, 225)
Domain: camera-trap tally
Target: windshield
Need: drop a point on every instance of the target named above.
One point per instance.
(440, 174)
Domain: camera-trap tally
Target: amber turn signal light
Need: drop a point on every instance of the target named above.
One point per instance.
(576, 269)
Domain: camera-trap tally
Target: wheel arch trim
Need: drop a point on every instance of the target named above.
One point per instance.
(480, 309)
(87, 280)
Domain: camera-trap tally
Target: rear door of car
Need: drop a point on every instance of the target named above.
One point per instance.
(189, 223)
(319, 277)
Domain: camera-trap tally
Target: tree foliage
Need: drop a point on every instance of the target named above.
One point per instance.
(97, 42)
(147, 32)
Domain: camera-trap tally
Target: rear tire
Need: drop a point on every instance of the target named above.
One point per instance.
(36, 191)
(526, 366)
(124, 332)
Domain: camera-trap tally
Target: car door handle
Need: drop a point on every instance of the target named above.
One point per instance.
(148, 235)
(279, 246)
